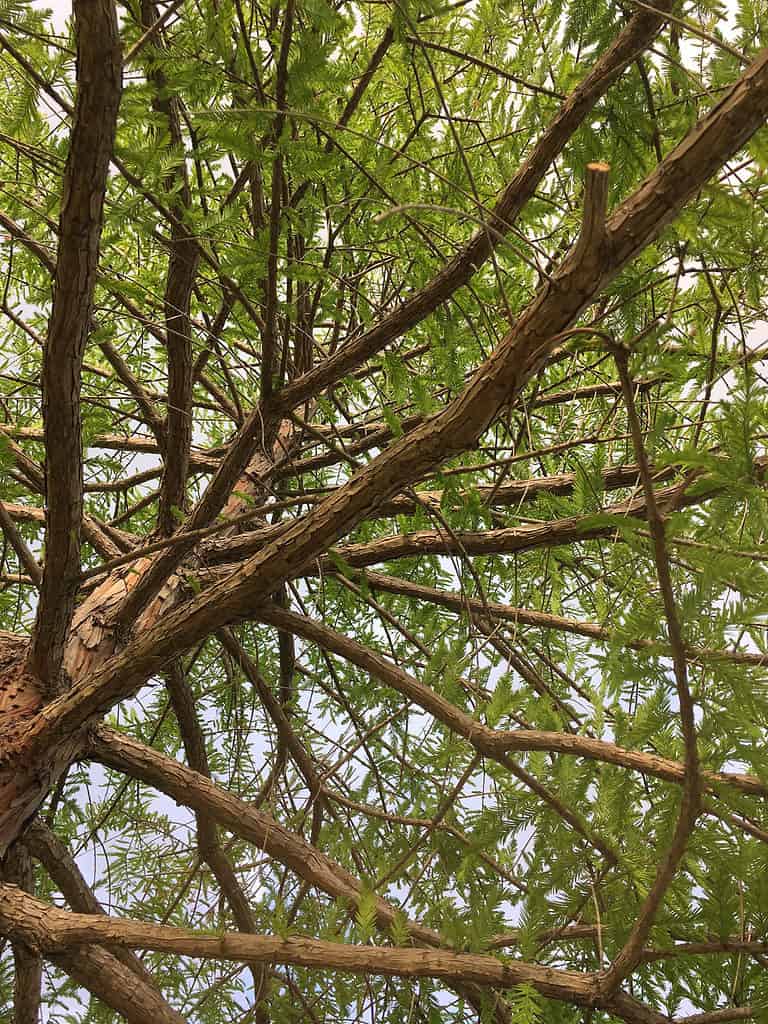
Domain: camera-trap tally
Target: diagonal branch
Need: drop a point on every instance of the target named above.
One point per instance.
(494, 743)
(26, 558)
(632, 40)
(496, 383)
(720, 134)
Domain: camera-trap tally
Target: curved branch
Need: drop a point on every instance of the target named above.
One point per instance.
(496, 383)
(260, 424)
(493, 743)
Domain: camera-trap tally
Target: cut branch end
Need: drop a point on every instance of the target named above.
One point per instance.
(595, 207)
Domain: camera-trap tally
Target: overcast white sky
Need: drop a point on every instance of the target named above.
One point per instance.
(61, 10)
(89, 859)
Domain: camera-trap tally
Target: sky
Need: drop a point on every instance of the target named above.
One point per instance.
(61, 11)
(89, 860)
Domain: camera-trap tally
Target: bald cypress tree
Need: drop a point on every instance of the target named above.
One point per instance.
(382, 487)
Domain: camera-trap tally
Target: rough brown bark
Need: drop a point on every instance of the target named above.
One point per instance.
(53, 931)
(718, 135)
(99, 69)
(28, 965)
(112, 982)
(39, 744)
(505, 540)
(263, 421)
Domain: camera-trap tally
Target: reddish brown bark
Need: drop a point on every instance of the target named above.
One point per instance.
(38, 743)
(51, 737)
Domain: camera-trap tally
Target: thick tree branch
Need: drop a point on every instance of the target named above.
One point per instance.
(110, 980)
(497, 383)
(52, 930)
(84, 186)
(45, 846)
(28, 965)
(258, 426)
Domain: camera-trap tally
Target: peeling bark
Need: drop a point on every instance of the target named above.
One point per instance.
(134, 623)
(719, 134)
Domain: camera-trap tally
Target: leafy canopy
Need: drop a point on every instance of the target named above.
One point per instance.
(313, 165)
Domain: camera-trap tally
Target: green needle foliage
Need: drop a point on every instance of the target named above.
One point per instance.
(502, 685)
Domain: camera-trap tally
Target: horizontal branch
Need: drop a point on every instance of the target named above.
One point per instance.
(507, 540)
(517, 492)
(48, 929)
(498, 382)
(97, 534)
(116, 442)
(723, 1016)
